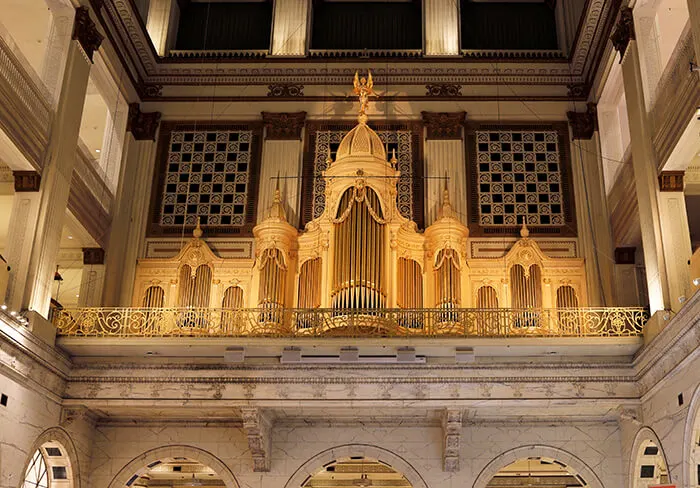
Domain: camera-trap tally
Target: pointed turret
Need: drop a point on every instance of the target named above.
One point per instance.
(446, 210)
(276, 210)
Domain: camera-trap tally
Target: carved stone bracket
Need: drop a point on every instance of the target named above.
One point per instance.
(26, 181)
(257, 427)
(583, 124)
(285, 90)
(452, 431)
(142, 125)
(73, 415)
(623, 32)
(671, 180)
(283, 126)
(85, 32)
(444, 125)
(93, 255)
(443, 90)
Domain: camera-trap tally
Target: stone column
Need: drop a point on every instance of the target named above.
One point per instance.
(441, 28)
(644, 162)
(20, 234)
(444, 156)
(592, 216)
(58, 40)
(163, 17)
(113, 142)
(92, 281)
(281, 156)
(676, 236)
(59, 161)
(290, 25)
(627, 287)
(649, 54)
(694, 13)
(131, 206)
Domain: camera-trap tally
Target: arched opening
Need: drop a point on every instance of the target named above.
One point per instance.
(176, 465)
(154, 297)
(357, 471)
(537, 472)
(195, 286)
(691, 447)
(49, 467)
(650, 467)
(176, 471)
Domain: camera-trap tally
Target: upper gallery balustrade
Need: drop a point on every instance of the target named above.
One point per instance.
(360, 269)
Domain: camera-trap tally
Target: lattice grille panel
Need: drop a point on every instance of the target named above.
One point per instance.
(519, 177)
(207, 176)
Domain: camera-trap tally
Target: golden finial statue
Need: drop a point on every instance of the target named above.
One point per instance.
(524, 231)
(197, 232)
(363, 88)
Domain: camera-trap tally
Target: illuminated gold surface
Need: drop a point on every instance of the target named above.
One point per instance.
(456, 322)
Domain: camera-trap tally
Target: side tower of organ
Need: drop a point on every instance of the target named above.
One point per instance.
(361, 255)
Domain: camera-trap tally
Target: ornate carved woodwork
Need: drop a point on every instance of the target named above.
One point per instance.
(148, 90)
(142, 125)
(285, 90)
(283, 126)
(443, 90)
(623, 32)
(85, 32)
(444, 125)
(26, 181)
(93, 255)
(257, 426)
(578, 90)
(671, 181)
(583, 124)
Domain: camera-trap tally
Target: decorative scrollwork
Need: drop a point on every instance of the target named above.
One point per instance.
(284, 90)
(352, 323)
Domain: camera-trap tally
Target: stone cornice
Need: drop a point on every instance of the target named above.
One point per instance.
(131, 32)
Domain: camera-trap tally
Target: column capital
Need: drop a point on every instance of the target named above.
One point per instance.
(142, 125)
(625, 255)
(85, 32)
(671, 181)
(623, 32)
(283, 126)
(583, 124)
(26, 181)
(93, 255)
(444, 125)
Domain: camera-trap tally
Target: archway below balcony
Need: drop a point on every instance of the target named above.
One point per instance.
(691, 441)
(356, 465)
(175, 466)
(526, 466)
(52, 462)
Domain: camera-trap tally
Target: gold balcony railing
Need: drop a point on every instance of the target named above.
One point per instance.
(274, 322)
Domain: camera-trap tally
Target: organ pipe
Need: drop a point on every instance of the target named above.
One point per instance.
(448, 287)
(310, 284)
(358, 249)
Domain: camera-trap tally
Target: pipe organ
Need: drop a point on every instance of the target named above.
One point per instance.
(361, 254)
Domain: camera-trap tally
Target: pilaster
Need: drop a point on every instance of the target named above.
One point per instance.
(281, 156)
(80, 422)
(257, 426)
(92, 281)
(441, 27)
(20, 234)
(163, 17)
(444, 157)
(676, 236)
(290, 27)
(644, 162)
(59, 37)
(593, 217)
(131, 206)
(60, 160)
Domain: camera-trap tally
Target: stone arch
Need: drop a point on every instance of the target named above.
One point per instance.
(644, 434)
(59, 436)
(691, 436)
(509, 457)
(139, 464)
(348, 450)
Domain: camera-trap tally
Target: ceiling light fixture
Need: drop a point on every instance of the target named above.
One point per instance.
(98, 150)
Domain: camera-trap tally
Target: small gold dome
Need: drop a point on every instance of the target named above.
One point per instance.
(361, 141)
